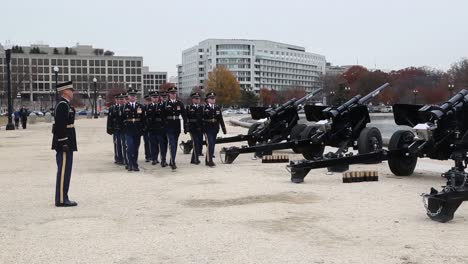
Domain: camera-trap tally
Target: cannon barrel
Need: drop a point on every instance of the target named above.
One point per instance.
(307, 97)
(366, 99)
(293, 102)
(357, 99)
(437, 112)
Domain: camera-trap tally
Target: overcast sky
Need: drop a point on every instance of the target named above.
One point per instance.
(389, 34)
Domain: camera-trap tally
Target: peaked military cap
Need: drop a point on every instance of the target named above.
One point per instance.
(172, 89)
(65, 86)
(195, 95)
(132, 91)
(211, 95)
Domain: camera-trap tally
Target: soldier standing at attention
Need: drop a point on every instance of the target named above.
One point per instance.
(173, 108)
(195, 125)
(133, 115)
(212, 120)
(64, 143)
(146, 138)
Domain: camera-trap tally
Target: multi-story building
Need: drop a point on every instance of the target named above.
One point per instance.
(152, 80)
(336, 70)
(256, 64)
(33, 76)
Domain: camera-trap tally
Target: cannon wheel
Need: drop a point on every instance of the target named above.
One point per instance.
(312, 151)
(399, 163)
(296, 134)
(369, 140)
(252, 128)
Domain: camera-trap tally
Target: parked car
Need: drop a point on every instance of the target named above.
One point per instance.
(38, 113)
(83, 113)
(229, 112)
(386, 109)
(242, 111)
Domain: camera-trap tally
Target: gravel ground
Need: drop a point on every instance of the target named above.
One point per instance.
(246, 212)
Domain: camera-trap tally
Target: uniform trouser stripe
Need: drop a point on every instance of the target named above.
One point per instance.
(62, 174)
(208, 154)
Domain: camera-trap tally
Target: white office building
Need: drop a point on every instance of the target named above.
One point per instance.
(256, 64)
(152, 80)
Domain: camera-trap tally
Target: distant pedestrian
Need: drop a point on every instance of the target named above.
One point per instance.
(24, 116)
(16, 117)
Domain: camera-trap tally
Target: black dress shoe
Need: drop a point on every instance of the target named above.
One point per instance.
(66, 204)
(136, 169)
(153, 163)
(147, 160)
(173, 166)
(130, 168)
(195, 162)
(126, 167)
(163, 164)
(210, 164)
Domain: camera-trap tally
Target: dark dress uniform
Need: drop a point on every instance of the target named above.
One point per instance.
(133, 116)
(154, 126)
(146, 138)
(172, 109)
(114, 128)
(64, 144)
(123, 141)
(212, 120)
(195, 128)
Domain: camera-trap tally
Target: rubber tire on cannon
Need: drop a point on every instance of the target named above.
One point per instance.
(370, 140)
(296, 135)
(312, 151)
(252, 128)
(400, 163)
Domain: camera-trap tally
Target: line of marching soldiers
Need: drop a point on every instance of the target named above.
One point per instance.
(160, 121)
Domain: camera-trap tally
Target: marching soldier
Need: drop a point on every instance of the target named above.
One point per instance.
(195, 125)
(212, 120)
(110, 128)
(146, 138)
(161, 132)
(123, 100)
(133, 115)
(154, 126)
(172, 109)
(64, 143)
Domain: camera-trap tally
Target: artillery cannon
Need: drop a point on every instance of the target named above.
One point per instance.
(439, 132)
(334, 126)
(342, 127)
(280, 123)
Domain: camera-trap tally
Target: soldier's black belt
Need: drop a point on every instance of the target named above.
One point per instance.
(158, 119)
(193, 120)
(133, 120)
(71, 126)
(172, 117)
(210, 120)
